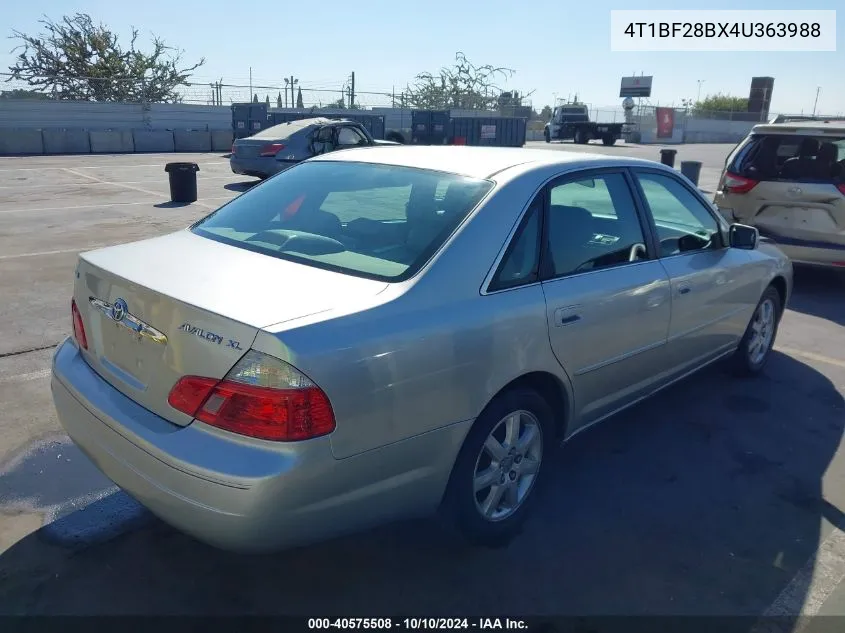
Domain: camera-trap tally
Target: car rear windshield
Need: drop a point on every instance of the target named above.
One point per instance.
(790, 157)
(377, 221)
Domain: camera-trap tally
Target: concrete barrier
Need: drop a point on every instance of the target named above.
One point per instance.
(221, 140)
(192, 140)
(66, 141)
(112, 141)
(21, 141)
(153, 140)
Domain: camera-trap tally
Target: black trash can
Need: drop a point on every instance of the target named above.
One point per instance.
(183, 181)
(691, 169)
(667, 157)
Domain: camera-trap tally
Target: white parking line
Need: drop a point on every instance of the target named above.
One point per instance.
(102, 182)
(33, 375)
(99, 206)
(809, 588)
(106, 166)
(130, 187)
(58, 252)
(811, 356)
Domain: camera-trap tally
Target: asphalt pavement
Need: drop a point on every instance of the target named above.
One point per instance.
(718, 497)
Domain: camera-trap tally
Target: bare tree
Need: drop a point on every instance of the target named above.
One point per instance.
(76, 59)
(463, 85)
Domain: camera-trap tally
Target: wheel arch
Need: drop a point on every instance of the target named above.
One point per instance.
(550, 387)
(778, 282)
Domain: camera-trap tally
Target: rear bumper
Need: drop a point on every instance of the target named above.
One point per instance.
(233, 492)
(258, 167)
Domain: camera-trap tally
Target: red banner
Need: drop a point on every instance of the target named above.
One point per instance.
(665, 122)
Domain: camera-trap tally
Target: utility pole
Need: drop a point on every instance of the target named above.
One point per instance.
(250, 84)
(292, 95)
(818, 90)
(352, 91)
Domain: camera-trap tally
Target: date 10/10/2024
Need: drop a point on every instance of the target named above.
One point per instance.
(414, 624)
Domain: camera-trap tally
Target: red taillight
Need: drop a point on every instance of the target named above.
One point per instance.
(841, 188)
(190, 392)
(272, 149)
(295, 409)
(78, 327)
(233, 149)
(733, 183)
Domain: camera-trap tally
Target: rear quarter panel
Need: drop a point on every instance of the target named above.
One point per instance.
(429, 352)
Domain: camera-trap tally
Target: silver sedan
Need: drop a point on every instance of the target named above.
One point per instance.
(382, 333)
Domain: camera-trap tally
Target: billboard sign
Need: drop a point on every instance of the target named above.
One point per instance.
(635, 87)
(665, 122)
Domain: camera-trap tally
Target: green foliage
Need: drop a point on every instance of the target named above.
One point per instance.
(76, 59)
(23, 94)
(546, 113)
(721, 103)
(299, 103)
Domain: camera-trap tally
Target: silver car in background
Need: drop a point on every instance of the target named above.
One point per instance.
(279, 147)
(379, 334)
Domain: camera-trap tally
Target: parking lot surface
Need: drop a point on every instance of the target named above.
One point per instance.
(719, 496)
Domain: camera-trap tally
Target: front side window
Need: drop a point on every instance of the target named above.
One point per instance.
(377, 221)
(593, 224)
(683, 222)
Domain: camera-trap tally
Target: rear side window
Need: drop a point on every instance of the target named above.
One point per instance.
(790, 157)
(377, 221)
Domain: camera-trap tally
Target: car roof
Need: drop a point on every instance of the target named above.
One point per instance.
(802, 128)
(475, 162)
(284, 130)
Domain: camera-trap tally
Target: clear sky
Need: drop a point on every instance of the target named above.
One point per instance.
(558, 48)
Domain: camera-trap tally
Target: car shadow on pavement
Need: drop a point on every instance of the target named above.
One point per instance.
(819, 292)
(706, 499)
(241, 186)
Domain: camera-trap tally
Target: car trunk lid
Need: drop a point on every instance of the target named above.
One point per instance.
(181, 304)
(799, 211)
(256, 148)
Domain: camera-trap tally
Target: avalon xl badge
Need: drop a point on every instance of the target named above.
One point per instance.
(119, 313)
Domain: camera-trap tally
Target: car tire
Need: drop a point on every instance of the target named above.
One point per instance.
(493, 514)
(547, 135)
(756, 345)
(609, 139)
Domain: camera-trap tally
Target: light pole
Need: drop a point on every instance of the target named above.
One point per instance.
(698, 96)
(816, 102)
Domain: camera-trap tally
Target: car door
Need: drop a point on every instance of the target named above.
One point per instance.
(713, 287)
(607, 295)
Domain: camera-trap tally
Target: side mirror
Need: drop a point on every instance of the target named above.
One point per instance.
(744, 237)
